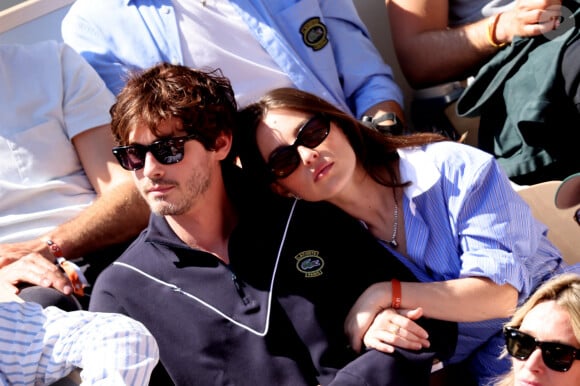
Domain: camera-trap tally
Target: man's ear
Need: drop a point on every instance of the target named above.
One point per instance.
(223, 145)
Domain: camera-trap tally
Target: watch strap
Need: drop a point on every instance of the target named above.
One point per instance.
(395, 128)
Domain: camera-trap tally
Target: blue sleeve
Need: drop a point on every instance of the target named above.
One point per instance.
(498, 236)
(366, 78)
(117, 38)
(90, 40)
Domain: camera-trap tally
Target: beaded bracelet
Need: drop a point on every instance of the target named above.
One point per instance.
(73, 271)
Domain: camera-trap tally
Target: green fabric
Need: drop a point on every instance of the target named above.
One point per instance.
(527, 119)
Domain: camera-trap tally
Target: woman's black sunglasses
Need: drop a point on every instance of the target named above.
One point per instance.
(167, 151)
(284, 160)
(557, 356)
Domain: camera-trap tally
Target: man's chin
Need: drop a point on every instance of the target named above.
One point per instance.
(166, 209)
(161, 208)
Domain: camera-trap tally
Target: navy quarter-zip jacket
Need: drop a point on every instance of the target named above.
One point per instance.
(274, 315)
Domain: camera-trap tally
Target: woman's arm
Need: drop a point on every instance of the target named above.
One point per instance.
(460, 300)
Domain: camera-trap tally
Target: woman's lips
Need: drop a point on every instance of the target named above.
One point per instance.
(322, 170)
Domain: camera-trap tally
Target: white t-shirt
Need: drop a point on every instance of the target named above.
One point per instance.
(48, 94)
(217, 37)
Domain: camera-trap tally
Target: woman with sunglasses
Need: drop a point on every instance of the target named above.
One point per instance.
(446, 210)
(543, 336)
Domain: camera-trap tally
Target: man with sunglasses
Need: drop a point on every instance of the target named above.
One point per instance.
(543, 336)
(237, 285)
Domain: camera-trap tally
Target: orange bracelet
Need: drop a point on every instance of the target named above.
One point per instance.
(396, 290)
(74, 273)
(491, 27)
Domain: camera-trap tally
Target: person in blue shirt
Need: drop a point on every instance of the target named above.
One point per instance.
(445, 209)
(320, 46)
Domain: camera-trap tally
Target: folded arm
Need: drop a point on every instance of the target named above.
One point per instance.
(459, 300)
(430, 51)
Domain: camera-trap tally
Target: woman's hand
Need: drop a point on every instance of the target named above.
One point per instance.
(371, 303)
(396, 328)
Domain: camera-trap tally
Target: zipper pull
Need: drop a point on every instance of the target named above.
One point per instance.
(240, 289)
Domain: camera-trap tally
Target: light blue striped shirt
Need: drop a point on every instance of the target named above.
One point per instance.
(463, 219)
(39, 346)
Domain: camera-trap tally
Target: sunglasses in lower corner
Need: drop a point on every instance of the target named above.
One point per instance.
(556, 356)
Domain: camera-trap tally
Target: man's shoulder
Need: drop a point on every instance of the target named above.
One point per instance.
(93, 16)
(110, 12)
(136, 255)
(121, 280)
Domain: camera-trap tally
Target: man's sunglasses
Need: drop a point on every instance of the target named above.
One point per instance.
(284, 160)
(167, 151)
(557, 356)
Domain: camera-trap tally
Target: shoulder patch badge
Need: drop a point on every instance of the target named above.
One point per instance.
(309, 263)
(314, 33)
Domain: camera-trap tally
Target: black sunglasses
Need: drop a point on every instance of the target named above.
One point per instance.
(557, 356)
(167, 151)
(284, 160)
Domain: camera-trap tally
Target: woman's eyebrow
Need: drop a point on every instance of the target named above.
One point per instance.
(300, 125)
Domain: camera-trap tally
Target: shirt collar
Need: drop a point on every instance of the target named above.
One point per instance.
(416, 166)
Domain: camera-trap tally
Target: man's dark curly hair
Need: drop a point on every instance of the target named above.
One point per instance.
(203, 101)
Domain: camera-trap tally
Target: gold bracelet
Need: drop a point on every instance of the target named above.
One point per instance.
(491, 27)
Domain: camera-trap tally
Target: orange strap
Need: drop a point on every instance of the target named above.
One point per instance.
(73, 271)
(396, 290)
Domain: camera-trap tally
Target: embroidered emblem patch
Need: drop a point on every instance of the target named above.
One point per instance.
(309, 263)
(314, 33)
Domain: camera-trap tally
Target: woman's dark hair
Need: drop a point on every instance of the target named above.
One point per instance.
(376, 151)
(203, 101)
